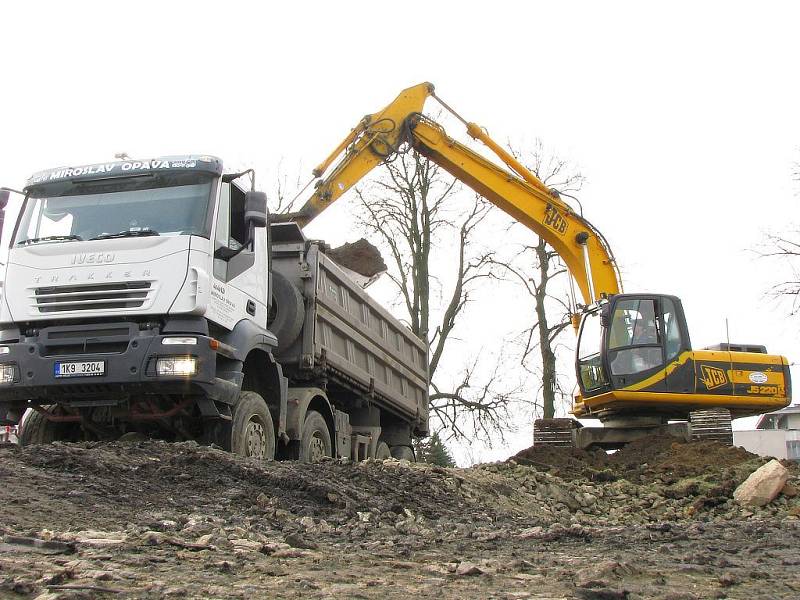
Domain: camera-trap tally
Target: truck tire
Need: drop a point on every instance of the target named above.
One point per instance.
(382, 452)
(404, 453)
(36, 429)
(252, 432)
(315, 443)
(287, 312)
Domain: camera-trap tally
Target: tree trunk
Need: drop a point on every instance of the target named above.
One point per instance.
(545, 346)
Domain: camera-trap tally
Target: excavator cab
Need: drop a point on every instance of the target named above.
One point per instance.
(628, 340)
(638, 374)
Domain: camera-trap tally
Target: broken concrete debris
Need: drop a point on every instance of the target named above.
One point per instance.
(763, 485)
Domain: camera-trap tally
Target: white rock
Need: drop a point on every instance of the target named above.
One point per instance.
(97, 539)
(100, 542)
(532, 532)
(763, 485)
(307, 522)
(468, 568)
(245, 545)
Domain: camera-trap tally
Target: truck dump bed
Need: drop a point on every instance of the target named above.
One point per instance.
(347, 339)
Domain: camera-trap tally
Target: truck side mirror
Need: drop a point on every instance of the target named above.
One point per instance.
(255, 209)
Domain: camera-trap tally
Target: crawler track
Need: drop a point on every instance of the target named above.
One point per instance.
(553, 432)
(712, 424)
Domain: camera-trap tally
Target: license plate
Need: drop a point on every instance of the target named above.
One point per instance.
(90, 368)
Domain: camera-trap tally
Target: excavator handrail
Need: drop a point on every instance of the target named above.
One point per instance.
(518, 192)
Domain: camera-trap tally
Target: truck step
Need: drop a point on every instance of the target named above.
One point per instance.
(711, 424)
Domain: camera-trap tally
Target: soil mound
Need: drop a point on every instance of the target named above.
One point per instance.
(63, 481)
(656, 457)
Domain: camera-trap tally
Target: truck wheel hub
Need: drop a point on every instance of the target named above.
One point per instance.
(255, 439)
(316, 448)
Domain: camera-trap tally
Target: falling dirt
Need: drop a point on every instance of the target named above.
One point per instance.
(361, 257)
(154, 520)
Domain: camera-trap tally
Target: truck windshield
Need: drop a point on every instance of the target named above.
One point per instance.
(174, 204)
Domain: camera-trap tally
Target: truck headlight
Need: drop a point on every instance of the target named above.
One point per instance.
(179, 366)
(8, 373)
(5, 350)
(179, 341)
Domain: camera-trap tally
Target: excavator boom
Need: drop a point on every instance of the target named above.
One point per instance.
(374, 139)
(580, 245)
(521, 195)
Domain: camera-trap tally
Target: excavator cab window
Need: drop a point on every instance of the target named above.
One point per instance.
(672, 329)
(635, 339)
(591, 372)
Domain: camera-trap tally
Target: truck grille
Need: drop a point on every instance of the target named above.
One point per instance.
(103, 296)
(86, 339)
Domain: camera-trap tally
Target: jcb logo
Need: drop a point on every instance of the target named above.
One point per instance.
(713, 377)
(554, 220)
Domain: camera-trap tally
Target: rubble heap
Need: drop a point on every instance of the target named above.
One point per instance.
(154, 519)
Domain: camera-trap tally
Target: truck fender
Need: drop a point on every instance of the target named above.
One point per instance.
(298, 402)
(247, 336)
(262, 374)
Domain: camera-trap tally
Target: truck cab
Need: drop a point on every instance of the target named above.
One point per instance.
(138, 299)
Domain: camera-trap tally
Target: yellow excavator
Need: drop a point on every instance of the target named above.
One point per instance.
(636, 369)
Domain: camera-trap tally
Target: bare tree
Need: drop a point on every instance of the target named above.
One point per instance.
(286, 189)
(552, 317)
(536, 267)
(785, 247)
(414, 212)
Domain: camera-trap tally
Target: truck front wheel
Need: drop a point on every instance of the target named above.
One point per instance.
(404, 453)
(382, 452)
(252, 433)
(37, 429)
(316, 441)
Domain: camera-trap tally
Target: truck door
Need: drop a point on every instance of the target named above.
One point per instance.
(635, 343)
(239, 289)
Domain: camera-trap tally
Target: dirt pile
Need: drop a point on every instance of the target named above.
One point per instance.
(152, 520)
(653, 479)
(653, 458)
(128, 477)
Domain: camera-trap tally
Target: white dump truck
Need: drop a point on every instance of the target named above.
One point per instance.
(154, 297)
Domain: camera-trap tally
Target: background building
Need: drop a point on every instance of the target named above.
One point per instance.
(776, 434)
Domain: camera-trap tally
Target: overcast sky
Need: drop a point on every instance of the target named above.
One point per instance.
(683, 116)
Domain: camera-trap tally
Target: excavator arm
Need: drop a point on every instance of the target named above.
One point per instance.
(520, 193)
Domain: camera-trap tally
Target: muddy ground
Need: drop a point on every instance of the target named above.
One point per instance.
(154, 520)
